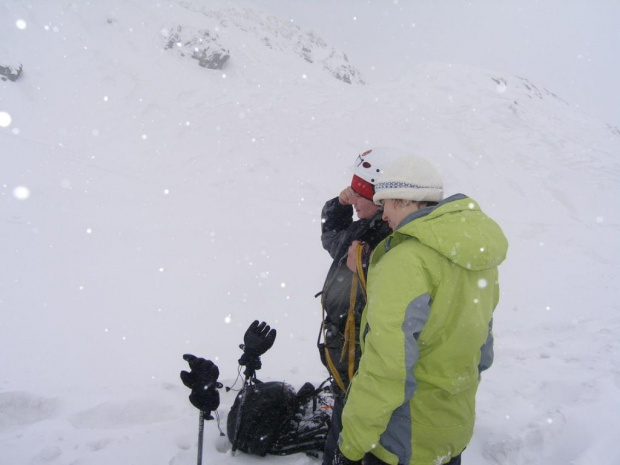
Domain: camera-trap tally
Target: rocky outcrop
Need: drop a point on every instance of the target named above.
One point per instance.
(232, 28)
(10, 73)
(201, 45)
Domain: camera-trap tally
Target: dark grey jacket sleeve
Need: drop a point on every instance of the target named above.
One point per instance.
(486, 351)
(335, 221)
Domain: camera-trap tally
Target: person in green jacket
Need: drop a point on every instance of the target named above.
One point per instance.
(425, 332)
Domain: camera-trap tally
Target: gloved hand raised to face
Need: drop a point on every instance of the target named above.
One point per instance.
(202, 380)
(258, 339)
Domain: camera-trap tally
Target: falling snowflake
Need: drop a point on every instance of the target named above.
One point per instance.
(21, 192)
(5, 119)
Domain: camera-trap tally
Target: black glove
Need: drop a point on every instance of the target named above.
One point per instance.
(340, 459)
(202, 380)
(258, 339)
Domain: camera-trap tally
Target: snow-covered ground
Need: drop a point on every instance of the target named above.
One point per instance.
(151, 207)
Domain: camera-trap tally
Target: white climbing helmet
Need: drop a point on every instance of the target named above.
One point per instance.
(369, 166)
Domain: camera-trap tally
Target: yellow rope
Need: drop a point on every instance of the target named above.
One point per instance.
(360, 269)
(328, 358)
(349, 330)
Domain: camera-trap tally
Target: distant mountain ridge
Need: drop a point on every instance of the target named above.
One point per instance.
(213, 47)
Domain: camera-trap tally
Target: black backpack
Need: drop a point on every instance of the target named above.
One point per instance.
(271, 418)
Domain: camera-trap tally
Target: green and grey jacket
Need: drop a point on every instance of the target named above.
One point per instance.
(426, 336)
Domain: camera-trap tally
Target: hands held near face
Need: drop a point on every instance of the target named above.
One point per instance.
(347, 196)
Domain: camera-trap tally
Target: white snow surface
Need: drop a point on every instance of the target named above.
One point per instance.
(150, 208)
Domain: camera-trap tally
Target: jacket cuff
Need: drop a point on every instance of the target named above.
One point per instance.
(348, 451)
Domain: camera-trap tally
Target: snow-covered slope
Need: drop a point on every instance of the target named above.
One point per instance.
(152, 207)
(248, 33)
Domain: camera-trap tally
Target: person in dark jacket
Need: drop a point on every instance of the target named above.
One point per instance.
(344, 296)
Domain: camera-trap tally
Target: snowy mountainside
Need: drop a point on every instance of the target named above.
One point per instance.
(276, 34)
(150, 207)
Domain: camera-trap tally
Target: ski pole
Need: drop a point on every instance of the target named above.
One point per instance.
(201, 431)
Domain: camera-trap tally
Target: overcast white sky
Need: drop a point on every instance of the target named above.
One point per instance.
(570, 47)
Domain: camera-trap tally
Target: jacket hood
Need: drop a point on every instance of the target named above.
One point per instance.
(457, 229)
